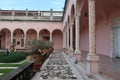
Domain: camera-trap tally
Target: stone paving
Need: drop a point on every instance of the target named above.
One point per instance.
(56, 68)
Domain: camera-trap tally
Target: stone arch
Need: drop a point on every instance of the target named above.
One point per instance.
(5, 38)
(57, 39)
(72, 13)
(68, 21)
(44, 35)
(78, 6)
(31, 35)
(18, 38)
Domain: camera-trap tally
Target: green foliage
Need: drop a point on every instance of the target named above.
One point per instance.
(41, 44)
(5, 71)
(48, 44)
(12, 57)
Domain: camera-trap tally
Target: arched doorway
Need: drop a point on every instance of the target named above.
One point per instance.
(18, 38)
(31, 35)
(57, 39)
(73, 24)
(116, 37)
(5, 38)
(44, 35)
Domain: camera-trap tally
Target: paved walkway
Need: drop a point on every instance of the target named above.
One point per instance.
(109, 67)
(58, 67)
(60, 64)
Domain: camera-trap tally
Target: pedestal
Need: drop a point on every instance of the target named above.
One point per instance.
(77, 56)
(92, 64)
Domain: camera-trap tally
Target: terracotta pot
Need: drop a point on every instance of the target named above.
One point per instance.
(36, 66)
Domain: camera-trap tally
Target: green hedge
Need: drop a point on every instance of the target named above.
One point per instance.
(12, 57)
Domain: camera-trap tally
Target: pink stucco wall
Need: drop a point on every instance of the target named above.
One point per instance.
(104, 14)
(84, 40)
(57, 39)
(25, 26)
(103, 38)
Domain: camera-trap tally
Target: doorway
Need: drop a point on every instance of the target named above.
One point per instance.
(116, 41)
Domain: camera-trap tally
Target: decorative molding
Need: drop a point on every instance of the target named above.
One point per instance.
(115, 22)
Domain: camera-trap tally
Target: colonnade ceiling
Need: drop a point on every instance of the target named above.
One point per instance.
(84, 15)
(68, 21)
(105, 8)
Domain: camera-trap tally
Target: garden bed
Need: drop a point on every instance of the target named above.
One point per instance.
(12, 57)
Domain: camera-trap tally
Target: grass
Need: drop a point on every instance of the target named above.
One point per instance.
(5, 71)
(11, 65)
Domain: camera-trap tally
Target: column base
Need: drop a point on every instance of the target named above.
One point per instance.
(92, 64)
(71, 52)
(77, 56)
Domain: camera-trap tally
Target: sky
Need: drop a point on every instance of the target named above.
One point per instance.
(56, 5)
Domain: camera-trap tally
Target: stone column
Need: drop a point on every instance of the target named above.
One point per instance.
(64, 39)
(11, 38)
(71, 40)
(77, 40)
(71, 37)
(24, 40)
(50, 36)
(67, 38)
(92, 57)
(37, 35)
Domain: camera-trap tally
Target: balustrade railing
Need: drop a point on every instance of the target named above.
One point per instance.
(24, 72)
(30, 15)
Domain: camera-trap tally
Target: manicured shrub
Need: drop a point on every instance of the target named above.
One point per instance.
(12, 57)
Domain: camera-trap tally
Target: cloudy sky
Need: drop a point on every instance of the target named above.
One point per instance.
(32, 4)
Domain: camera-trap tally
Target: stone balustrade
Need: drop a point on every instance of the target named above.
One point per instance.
(31, 15)
(24, 72)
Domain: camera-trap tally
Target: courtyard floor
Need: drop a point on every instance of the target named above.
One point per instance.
(60, 66)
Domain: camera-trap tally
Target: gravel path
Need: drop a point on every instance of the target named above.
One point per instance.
(57, 67)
